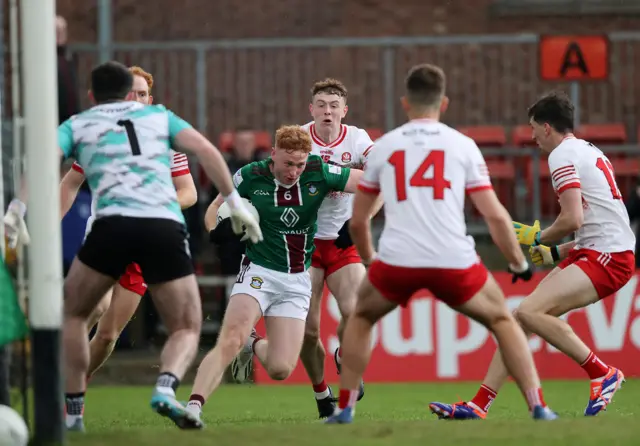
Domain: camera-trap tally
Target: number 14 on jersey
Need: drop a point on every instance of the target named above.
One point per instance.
(437, 181)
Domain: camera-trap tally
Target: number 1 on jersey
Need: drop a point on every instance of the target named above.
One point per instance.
(131, 134)
(607, 169)
(437, 181)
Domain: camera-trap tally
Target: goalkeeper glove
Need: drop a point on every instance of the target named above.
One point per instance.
(14, 225)
(544, 255)
(527, 235)
(242, 221)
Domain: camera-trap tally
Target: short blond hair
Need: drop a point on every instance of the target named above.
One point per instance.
(293, 138)
(330, 86)
(138, 71)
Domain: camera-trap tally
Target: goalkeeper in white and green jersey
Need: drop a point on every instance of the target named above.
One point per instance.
(124, 148)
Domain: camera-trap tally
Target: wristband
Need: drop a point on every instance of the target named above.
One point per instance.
(555, 253)
(536, 239)
(18, 207)
(520, 268)
(234, 200)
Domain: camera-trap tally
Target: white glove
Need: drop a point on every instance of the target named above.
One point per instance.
(15, 227)
(243, 221)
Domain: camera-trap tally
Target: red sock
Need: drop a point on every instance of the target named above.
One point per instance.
(484, 398)
(319, 388)
(535, 398)
(594, 367)
(348, 398)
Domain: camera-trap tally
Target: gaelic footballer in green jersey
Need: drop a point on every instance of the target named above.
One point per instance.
(124, 149)
(287, 190)
(288, 214)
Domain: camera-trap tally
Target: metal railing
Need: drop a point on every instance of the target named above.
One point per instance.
(265, 82)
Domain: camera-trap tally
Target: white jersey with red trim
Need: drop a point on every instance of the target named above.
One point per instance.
(350, 149)
(576, 163)
(424, 168)
(179, 167)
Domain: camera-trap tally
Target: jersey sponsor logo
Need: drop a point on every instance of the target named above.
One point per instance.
(289, 217)
(296, 231)
(335, 169)
(261, 192)
(256, 283)
(313, 190)
(346, 157)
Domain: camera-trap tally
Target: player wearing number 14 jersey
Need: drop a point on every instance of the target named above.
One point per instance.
(597, 263)
(423, 170)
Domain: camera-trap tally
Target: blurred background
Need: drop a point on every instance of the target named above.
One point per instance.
(239, 69)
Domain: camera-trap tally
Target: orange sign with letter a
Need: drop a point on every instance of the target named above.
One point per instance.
(574, 58)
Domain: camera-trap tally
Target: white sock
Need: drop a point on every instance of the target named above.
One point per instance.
(194, 407)
(166, 391)
(70, 420)
(322, 395)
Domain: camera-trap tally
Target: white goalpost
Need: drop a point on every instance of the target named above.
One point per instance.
(40, 93)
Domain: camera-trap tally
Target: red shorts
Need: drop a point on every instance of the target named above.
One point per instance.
(132, 280)
(330, 258)
(452, 286)
(608, 271)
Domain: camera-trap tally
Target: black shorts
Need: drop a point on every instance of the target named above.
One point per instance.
(160, 246)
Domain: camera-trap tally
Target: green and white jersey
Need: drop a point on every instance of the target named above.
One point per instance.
(288, 214)
(125, 151)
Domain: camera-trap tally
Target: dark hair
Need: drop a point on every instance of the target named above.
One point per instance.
(555, 109)
(330, 86)
(110, 81)
(425, 85)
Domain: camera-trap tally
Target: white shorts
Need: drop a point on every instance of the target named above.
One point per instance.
(279, 294)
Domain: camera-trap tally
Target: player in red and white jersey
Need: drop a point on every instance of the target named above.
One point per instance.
(335, 259)
(597, 263)
(423, 170)
(119, 305)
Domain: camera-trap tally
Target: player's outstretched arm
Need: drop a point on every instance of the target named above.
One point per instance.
(69, 187)
(500, 227)
(186, 190)
(213, 163)
(570, 219)
(354, 179)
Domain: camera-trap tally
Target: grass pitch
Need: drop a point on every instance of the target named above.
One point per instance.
(388, 415)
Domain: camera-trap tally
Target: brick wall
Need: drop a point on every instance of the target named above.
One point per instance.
(207, 19)
(488, 84)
